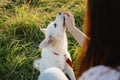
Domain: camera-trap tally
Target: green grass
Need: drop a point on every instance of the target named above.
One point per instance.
(20, 34)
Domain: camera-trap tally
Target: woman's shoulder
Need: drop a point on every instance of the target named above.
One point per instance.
(101, 72)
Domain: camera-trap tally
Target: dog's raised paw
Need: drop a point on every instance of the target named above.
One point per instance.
(36, 63)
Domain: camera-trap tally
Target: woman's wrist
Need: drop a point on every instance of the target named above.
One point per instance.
(80, 37)
(71, 29)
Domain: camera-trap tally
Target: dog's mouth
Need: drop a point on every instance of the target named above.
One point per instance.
(64, 18)
(63, 21)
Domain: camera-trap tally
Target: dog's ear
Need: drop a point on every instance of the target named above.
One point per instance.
(43, 30)
(47, 42)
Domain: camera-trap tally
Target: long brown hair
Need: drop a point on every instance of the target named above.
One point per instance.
(102, 23)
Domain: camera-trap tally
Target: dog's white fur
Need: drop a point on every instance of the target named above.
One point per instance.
(54, 48)
(52, 73)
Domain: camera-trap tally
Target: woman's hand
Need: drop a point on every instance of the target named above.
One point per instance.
(69, 21)
(80, 37)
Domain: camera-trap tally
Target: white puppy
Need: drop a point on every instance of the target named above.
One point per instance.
(54, 48)
(52, 73)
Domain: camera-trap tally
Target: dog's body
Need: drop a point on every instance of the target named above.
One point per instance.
(55, 52)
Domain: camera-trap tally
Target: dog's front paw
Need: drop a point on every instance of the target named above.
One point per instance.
(36, 64)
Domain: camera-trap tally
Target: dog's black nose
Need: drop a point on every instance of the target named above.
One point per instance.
(59, 13)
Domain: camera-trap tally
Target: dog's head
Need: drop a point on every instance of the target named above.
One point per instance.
(54, 32)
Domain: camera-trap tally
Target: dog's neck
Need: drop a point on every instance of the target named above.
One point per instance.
(60, 45)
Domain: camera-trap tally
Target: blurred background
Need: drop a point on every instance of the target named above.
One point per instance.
(20, 35)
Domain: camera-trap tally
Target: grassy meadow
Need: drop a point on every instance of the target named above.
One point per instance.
(20, 35)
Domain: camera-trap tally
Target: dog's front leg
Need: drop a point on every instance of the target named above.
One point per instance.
(36, 64)
(39, 65)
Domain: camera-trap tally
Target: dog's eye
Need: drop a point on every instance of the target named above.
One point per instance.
(55, 25)
(50, 36)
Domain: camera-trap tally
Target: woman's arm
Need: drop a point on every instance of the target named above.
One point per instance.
(80, 37)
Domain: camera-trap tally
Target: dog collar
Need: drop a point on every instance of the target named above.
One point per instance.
(55, 53)
(69, 62)
(67, 59)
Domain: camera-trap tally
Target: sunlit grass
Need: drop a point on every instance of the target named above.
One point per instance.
(20, 34)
